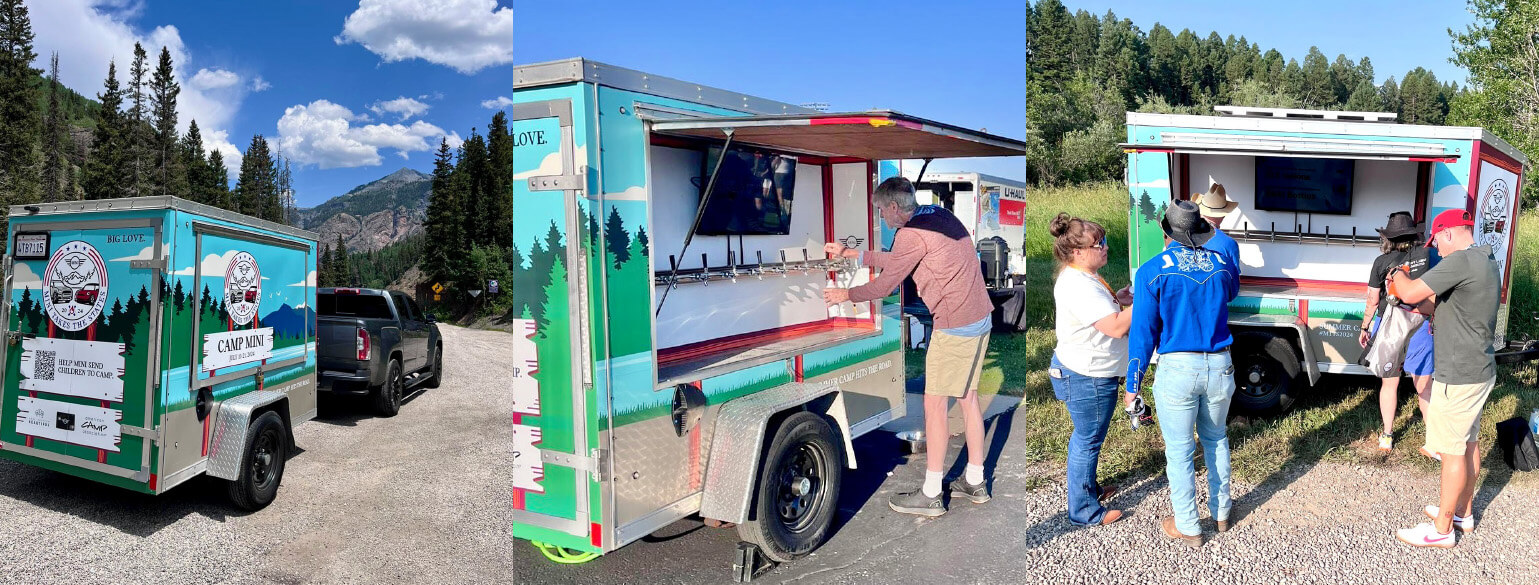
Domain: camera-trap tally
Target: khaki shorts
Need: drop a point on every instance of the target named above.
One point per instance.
(953, 365)
(1453, 415)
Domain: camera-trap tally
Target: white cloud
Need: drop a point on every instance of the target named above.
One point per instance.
(259, 84)
(87, 34)
(454, 139)
(404, 107)
(308, 281)
(501, 102)
(466, 35)
(321, 133)
(214, 79)
(23, 277)
(143, 254)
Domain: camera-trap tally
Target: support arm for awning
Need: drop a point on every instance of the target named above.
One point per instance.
(705, 199)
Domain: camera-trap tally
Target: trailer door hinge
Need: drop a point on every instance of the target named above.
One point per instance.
(576, 462)
(152, 264)
(141, 432)
(572, 182)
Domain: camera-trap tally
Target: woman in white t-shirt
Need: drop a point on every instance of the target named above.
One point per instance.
(1090, 359)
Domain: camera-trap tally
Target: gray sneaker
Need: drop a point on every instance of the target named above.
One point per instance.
(978, 494)
(915, 502)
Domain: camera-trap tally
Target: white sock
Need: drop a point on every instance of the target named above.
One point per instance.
(974, 474)
(932, 483)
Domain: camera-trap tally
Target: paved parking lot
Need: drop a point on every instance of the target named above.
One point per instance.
(422, 497)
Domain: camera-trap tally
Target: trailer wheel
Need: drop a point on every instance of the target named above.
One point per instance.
(798, 489)
(387, 398)
(1266, 371)
(438, 368)
(261, 464)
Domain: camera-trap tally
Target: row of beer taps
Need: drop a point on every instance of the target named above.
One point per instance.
(735, 269)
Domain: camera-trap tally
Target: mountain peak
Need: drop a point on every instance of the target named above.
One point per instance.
(407, 174)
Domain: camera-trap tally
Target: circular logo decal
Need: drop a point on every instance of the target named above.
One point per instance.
(76, 283)
(242, 288)
(1492, 228)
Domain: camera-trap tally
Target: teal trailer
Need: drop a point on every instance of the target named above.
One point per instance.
(151, 340)
(674, 355)
(1312, 186)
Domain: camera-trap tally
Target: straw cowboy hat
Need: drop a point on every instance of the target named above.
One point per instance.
(1183, 223)
(1400, 226)
(1214, 203)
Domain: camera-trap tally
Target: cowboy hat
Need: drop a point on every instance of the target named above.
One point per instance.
(1399, 226)
(1183, 223)
(1214, 203)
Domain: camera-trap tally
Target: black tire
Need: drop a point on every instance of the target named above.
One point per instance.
(262, 462)
(1267, 374)
(797, 493)
(387, 397)
(438, 368)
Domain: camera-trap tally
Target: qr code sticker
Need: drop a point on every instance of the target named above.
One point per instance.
(44, 365)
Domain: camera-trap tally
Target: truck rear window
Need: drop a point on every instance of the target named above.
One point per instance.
(360, 306)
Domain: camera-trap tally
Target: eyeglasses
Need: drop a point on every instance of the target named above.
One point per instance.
(1101, 245)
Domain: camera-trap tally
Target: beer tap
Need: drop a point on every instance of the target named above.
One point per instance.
(781, 268)
(758, 269)
(731, 266)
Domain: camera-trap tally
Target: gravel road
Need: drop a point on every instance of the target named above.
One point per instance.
(1316, 523)
(422, 497)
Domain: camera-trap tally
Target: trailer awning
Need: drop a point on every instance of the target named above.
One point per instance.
(1298, 146)
(875, 135)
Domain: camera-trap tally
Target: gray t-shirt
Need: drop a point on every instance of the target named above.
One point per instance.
(1467, 286)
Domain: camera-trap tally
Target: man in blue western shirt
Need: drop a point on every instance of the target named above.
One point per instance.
(1181, 309)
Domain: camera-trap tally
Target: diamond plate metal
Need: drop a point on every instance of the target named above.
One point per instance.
(227, 443)
(739, 437)
(651, 465)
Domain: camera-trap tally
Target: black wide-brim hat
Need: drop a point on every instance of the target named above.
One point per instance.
(1400, 227)
(1183, 222)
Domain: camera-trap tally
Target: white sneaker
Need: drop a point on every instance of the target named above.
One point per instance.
(1425, 535)
(1464, 523)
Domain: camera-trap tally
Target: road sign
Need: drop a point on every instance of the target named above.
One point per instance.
(438, 288)
(436, 298)
(491, 287)
(474, 292)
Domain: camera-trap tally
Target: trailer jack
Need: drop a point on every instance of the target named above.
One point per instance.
(750, 563)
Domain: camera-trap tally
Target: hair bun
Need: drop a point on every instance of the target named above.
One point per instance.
(1060, 224)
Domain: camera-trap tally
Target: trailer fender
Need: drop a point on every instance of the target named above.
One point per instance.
(738, 442)
(1295, 331)
(233, 418)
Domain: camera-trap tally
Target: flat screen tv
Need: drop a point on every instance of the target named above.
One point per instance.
(752, 195)
(1304, 185)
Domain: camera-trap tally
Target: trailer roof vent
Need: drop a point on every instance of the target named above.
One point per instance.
(1300, 114)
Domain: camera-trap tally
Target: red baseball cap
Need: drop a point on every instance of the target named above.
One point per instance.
(1447, 219)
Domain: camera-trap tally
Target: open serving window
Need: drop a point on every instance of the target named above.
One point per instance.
(741, 208)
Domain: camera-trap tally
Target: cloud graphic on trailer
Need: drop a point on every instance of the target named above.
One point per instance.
(214, 266)
(550, 165)
(23, 277)
(142, 255)
(308, 281)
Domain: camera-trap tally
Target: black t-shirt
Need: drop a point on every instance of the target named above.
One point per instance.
(1420, 260)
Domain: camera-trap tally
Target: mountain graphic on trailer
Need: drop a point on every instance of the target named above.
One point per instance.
(288, 321)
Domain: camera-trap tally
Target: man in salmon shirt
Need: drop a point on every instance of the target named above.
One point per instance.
(933, 246)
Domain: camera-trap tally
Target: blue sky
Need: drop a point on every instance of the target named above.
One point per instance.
(963, 63)
(322, 80)
(1396, 35)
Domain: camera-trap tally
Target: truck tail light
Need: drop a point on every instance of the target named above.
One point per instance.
(363, 344)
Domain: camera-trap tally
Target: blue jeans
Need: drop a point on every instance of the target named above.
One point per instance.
(1091, 403)
(1192, 390)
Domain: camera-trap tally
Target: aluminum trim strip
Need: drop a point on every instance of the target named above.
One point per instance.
(89, 464)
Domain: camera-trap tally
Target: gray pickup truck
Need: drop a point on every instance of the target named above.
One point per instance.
(375, 342)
